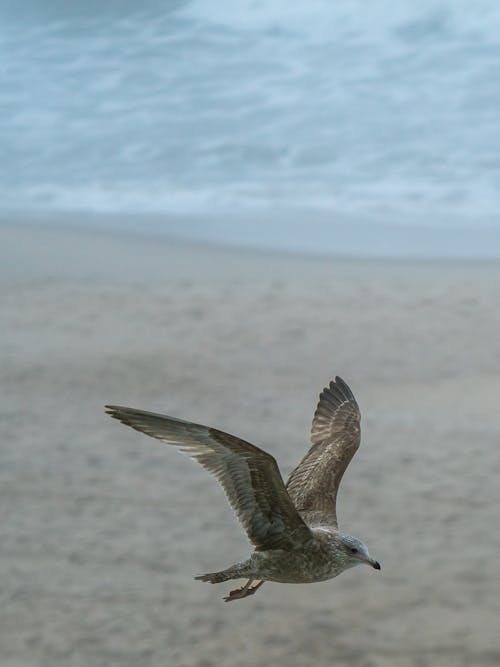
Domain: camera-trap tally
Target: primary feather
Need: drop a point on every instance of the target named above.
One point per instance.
(250, 477)
(335, 437)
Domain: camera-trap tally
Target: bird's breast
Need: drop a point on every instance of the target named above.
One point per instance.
(307, 565)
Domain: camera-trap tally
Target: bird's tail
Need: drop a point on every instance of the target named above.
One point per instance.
(214, 577)
(233, 572)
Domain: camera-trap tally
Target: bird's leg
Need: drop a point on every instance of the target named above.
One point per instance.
(254, 588)
(238, 593)
(244, 591)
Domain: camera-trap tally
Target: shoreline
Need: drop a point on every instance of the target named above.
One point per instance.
(48, 250)
(106, 227)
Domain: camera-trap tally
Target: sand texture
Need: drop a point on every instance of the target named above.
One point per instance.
(103, 529)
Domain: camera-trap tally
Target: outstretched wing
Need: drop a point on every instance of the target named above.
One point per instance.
(335, 436)
(250, 477)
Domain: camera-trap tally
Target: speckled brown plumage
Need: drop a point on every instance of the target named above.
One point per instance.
(335, 437)
(293, 528)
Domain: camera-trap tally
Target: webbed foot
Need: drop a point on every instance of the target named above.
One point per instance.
(243, 592)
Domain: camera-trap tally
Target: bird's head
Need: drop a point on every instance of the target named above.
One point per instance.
(355, 552)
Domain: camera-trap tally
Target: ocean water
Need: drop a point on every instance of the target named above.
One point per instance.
(348, 126)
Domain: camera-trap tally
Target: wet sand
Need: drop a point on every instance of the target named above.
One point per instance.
(103, 529)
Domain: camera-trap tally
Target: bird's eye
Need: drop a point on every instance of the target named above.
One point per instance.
(353, 550)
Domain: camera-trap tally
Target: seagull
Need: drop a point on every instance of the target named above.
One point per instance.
(293, 528)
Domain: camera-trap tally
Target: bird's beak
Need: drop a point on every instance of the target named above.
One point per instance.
(374, 563)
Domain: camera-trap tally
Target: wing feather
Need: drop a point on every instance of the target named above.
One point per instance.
(335, 437)
(249, 476)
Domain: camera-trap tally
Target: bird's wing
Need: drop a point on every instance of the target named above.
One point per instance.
(335, 436)
(250, 477)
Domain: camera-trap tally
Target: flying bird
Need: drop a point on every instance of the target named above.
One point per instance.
(292, 527)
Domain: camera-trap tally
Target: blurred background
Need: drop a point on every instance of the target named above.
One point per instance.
(342, 127)
(209, 209)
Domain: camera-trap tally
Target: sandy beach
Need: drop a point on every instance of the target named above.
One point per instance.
(103, 529)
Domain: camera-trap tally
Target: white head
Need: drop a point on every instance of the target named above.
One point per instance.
(354, 552)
